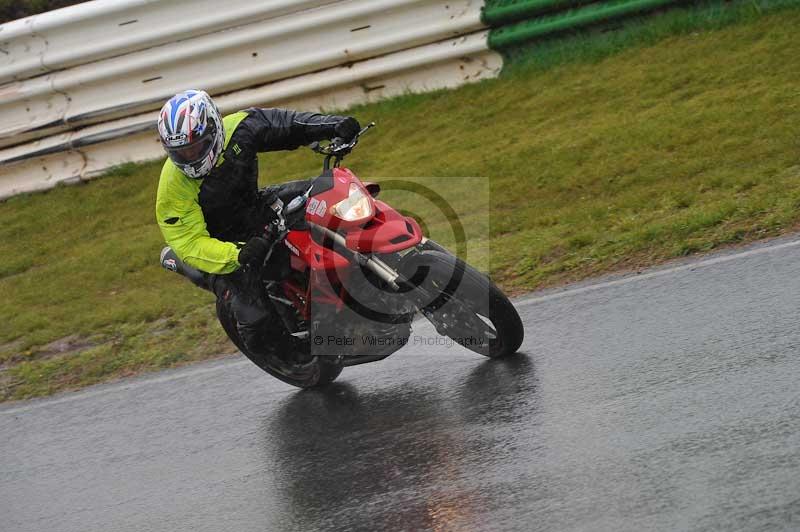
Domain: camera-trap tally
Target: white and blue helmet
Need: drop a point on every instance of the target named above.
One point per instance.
(191, 132)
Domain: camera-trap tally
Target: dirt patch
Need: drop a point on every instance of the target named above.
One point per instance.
(63, 346)
(7, 382)
(8, 351)
(162, 326)
(10, 346)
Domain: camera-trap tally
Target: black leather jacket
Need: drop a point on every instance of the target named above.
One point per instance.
(229, 195)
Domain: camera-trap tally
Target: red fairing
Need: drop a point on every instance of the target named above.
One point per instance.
(319, 208)
(387, 232)
(383, 230)
(306, 252)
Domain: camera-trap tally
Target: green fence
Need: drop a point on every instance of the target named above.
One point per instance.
(515, 22)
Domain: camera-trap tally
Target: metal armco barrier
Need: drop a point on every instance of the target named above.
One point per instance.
(80, 86)
(83, 83)
(224, 61)
(98, 30)
(91, 151)
(497, 13)
(549, 24)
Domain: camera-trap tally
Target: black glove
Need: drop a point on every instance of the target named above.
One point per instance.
(348, 129)
(254, 252)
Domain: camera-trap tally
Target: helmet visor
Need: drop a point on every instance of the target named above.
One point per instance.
(192, 153)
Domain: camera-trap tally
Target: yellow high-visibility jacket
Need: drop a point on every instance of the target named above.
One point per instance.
(206, 220)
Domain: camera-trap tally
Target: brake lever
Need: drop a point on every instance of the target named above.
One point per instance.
(338, 148)
(352, 144)
(338, 145)
(365, 129)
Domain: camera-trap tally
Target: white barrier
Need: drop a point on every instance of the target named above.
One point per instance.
(380, 48)
(105, 28)
(91, 151)
(223, 61)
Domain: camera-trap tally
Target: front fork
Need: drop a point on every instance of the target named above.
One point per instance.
(394, 279)
(382, 270)
(440, 320)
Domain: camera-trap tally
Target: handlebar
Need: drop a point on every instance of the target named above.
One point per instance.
(336, 149)
(285, 215)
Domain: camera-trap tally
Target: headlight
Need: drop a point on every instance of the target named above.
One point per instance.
(356, 207)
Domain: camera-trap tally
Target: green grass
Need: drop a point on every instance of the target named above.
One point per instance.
(654, 152)
(16, 9)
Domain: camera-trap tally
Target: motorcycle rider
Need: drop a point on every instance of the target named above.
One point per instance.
(209, 207)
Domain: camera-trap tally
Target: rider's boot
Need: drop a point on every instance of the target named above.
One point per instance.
(170, 261)
(261, 329)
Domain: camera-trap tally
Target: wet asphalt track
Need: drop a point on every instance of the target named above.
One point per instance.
(669, 401)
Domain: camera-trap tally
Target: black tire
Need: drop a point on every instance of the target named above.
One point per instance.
(313, 375)
(456, 285)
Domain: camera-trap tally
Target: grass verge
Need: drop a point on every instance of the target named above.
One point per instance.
(653, 152)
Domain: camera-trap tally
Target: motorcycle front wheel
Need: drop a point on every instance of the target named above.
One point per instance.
(463, 303)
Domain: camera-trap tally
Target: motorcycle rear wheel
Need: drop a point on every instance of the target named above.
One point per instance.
(318, 373)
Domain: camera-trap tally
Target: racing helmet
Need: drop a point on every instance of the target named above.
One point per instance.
(191, 132)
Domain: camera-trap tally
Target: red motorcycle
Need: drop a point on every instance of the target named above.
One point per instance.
(347, 273)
